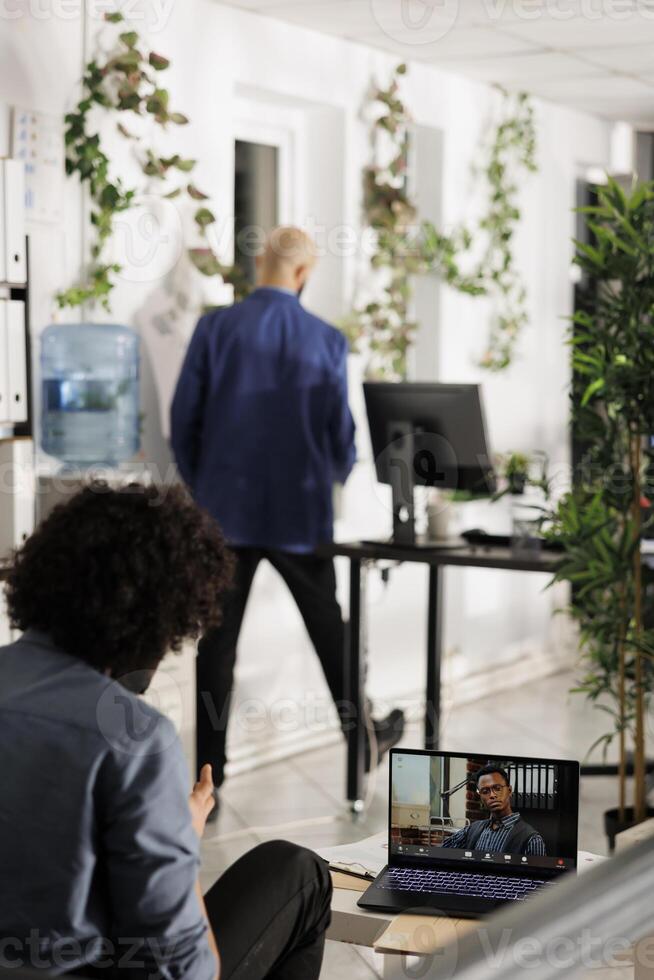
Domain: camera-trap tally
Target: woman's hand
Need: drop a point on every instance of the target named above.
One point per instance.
(201, 800)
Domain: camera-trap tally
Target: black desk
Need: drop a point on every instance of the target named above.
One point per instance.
(469, 557)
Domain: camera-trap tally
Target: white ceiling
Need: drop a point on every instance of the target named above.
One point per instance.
(595, 55)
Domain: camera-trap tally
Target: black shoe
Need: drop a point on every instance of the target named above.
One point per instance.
(213, 816)
(388, 731)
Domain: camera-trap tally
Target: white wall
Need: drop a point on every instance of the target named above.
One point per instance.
(218, 55)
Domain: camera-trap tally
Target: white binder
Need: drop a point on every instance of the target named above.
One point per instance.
(15, 265)
(3, 250)
(4, 365)
(18, 506)
(16, 360)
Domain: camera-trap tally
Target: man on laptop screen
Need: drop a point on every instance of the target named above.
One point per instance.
(504, 830)
(468, 833)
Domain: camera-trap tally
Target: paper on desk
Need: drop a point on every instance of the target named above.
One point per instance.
(367, 856)
(349, 882)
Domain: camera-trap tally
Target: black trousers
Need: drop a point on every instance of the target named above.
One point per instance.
(269, 913)
(312, 583)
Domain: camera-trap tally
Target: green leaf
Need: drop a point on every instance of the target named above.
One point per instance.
(606, 233)
(590, 252)
(113, 18)
(154, 167)
(126, 62)
(157, 103)
(129, 100)
(204, 217)
(613, 192)
(125, 132)
(158, 62)
(129, 39)
(205, 261)
(593, 388)
(604, 740)
(196, 194)
(178, 118)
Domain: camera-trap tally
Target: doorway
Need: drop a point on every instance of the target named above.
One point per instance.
(256, 200)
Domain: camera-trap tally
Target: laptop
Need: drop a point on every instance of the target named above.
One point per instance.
(469, 833)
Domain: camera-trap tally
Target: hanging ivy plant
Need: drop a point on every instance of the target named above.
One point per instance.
(406, 246)
(125, 80)
(512, 149)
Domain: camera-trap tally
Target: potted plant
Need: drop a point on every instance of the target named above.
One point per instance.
(524, 479)
(518, 471)
(601, 522)
(514, 469)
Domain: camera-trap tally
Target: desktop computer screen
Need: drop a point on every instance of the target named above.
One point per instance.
(429, 435)
(509, 811)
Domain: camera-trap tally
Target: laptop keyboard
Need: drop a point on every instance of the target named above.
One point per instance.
(459, 883)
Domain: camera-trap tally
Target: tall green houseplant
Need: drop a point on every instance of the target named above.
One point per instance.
(602, 521)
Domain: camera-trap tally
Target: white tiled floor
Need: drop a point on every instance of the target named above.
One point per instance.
(544, 720)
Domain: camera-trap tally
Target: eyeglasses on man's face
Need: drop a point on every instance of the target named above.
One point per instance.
(495, 788)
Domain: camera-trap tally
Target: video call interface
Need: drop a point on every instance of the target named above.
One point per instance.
(481, 810)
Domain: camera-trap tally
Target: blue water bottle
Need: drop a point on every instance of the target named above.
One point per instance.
(90, 393)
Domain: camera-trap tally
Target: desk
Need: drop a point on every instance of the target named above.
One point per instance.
(419, 946)
(360, 553)
(422, 937)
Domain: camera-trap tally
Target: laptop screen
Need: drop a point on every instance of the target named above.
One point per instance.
(476, 809)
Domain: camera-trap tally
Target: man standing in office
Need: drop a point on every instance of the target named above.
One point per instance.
(261, 430)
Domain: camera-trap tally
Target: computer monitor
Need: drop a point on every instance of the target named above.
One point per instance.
(484, 810)
(430, 435)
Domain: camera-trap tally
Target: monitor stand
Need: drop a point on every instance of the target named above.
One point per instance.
(402, 478)
(403, 483)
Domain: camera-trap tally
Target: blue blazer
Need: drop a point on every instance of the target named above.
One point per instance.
(260, 423)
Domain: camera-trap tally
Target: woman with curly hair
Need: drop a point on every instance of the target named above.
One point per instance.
(99, 842)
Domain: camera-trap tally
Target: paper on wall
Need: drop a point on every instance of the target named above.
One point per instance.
(37, 139)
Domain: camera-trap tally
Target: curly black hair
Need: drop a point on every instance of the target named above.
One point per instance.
(489, 770)
(117, 577)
